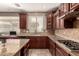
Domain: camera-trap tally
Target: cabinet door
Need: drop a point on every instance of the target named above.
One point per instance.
(22, 21)
(42, 42)
(26, 49)
(49, 21)
(52, 47)
(61, 8)
(60, 51)
(33, 42)
(61, 24)
(73, 6)
(66, 7)
(57, 23)
(38, 42)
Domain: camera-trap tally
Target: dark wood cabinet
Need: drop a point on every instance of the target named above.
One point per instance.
(52, 47)
(58, 22)
(23, 19)
(49, 21)
(64, 11)
(42, 42)
(61, 10)
(33, 42)
(38, 42)
(60, 14)
(64, 8)
(61, 23)
(56, 50)
(73, 6)
(25, 50)
(60, 51)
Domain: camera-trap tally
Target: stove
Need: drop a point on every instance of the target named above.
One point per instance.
(70, 44)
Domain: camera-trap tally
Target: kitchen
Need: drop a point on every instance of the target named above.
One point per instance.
(39, 29)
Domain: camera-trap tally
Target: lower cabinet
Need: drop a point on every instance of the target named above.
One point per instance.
(38, 42)
(33, 42)
(61, 52)
(56, 50)
(52, 47)
(42, 42)
(25, 50)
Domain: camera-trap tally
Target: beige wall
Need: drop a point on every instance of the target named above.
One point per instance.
(9, 22)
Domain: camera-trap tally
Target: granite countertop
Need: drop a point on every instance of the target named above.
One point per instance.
(12, 46)
(11, 49)
(26, 34)
(56, 38)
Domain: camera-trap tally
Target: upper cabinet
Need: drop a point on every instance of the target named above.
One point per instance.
(63, 9)
(58, 23)
(22, 20)
(73, 6)
(49, 21)
(65, 16)
(56, 20)
(66, 7)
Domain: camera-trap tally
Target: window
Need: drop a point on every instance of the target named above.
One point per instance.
(36, 23)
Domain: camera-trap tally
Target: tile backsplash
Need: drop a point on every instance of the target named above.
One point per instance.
(9, 22)
(71, 34)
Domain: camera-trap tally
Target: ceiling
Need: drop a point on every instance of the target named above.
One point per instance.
(27, 7)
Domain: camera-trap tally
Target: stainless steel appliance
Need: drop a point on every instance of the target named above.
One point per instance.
(12, 32)
(74, 46)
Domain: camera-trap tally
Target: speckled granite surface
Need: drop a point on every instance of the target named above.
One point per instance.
(71, 34)
(12, 46)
